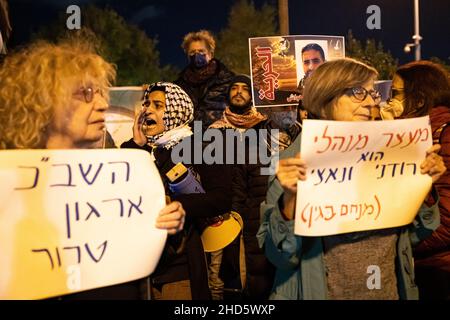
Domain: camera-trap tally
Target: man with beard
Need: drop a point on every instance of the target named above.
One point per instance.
(243, 266)
(312, 57)
(240, 113)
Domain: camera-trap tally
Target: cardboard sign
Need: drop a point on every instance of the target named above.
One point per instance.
(361, 175)
(278, 67)
(73, 220)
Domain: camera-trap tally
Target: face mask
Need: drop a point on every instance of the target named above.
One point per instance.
(284, 119)
(198, 60)
(392, 109)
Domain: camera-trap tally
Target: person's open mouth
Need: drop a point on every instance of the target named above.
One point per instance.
(150, 122)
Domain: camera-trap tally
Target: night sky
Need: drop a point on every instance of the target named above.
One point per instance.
(170, 20)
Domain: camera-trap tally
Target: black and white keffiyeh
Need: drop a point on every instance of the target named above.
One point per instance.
(178, 114)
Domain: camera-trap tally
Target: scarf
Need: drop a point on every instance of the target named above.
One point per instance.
(171, 138)
(178, 114)
(233, 120)
(198, 76)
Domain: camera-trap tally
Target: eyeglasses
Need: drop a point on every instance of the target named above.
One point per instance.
(360, 94)
(395, 92)
(88, 93)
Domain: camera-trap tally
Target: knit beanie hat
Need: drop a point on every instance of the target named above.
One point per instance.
(241, 78)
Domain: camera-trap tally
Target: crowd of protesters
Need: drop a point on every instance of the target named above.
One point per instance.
(55, 96)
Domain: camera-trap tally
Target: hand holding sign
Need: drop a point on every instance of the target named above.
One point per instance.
(361, 175)
(289, 172)
(80, 219)
(171, 217)
(433, 163)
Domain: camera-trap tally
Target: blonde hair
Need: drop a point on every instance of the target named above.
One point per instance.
(202, 35)
(40, 78)
(329, 82)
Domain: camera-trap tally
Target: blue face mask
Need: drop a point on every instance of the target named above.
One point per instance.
(198, 60)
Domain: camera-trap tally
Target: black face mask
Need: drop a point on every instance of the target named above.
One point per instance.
(198, 60)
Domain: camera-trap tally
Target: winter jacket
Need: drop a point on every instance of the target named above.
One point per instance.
(435, 250)
(299, 260)
(249, 190)
(183, 257)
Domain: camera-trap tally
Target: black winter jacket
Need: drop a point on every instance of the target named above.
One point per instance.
(249, 190)
(183, 257)
(210, 96)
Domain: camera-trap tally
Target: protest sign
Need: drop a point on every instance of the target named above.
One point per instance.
(73, 220)
(277, 66)
(361, 175)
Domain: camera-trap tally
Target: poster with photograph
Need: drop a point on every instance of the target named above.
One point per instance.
(120, 115)
(280, 64)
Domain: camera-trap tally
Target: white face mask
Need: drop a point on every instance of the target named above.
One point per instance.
(392, 109)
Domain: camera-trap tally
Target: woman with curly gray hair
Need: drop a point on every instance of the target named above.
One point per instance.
(55, 96)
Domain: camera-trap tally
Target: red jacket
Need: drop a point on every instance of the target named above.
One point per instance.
(435, 250)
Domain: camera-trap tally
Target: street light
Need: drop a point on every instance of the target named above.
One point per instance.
(407, 47)
(416, 37)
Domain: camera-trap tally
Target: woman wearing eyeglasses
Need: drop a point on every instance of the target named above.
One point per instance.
(55, 97)
(422, 88)
(335, 267)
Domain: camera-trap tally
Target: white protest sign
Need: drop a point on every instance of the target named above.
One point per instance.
(361, 175)
(73, 220)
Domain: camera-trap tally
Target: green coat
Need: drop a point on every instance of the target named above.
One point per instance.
(301, 272)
